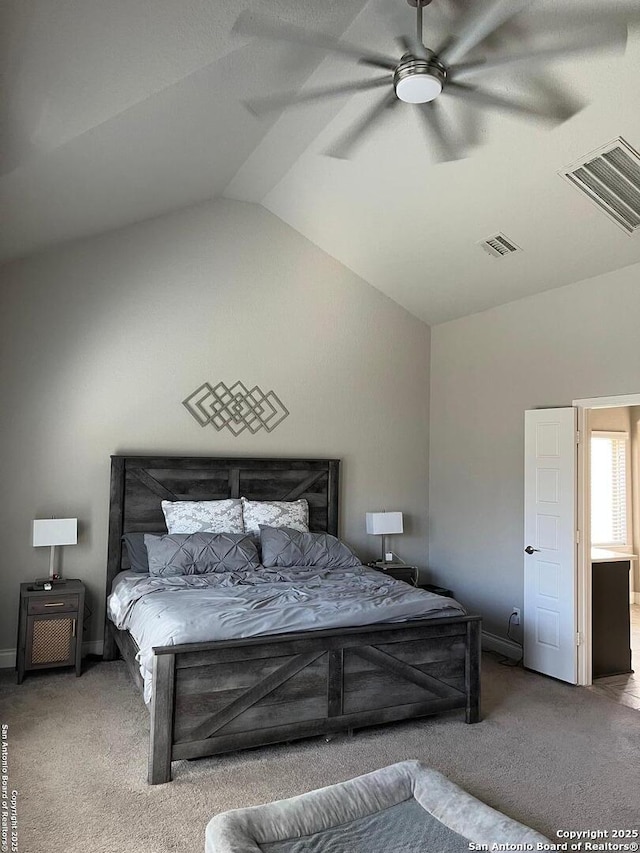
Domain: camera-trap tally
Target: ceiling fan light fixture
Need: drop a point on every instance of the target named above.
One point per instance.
(423, 73)
(418, 82)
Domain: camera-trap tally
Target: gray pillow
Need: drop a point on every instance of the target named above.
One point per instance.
(137, 551)
(200, 553)
(282, 546)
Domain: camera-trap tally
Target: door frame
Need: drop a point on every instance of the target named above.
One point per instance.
(583, 589)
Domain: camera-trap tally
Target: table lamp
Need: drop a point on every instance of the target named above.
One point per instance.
(53, 532)
(382, 524)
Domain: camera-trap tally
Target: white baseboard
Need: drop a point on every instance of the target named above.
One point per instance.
(492, 643)
(8, 656)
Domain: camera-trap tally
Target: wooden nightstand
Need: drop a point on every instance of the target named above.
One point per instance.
(408, 574)
(439, 590)
(398, 571)
(50, 627)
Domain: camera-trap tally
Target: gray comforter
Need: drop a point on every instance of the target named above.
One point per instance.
(232, 605)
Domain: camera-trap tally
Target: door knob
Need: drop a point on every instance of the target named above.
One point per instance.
(530, 550)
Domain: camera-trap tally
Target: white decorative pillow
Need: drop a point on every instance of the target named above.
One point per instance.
(223, 516)
(292, 514)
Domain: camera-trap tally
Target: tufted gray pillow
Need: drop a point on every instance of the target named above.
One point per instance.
(282, 547)
(200, 553)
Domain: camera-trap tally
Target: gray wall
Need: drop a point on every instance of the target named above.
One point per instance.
(103, 338)
(580, 341)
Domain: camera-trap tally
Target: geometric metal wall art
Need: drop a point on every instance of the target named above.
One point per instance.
(237, 408)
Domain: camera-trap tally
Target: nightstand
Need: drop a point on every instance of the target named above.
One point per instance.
(398, 571)
(50, 627)
(439, 590)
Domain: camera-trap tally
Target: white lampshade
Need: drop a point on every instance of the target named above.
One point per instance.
(381, 523)
(55, 531)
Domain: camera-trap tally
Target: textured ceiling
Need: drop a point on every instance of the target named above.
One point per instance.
(118, 110)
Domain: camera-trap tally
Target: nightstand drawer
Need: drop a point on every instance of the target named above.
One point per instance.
(438, 590)
(397, 571)
(406, 574)
(52, 604)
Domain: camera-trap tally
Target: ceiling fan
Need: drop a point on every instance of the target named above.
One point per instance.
(422, 76)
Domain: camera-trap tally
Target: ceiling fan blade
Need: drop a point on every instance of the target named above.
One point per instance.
(474, 26)
(482, 98)
(598, 39)
(445, 148)
(470, 122)
(411, 44)
(347, 142)
(566, 104)
(261, 106)
(248, 24)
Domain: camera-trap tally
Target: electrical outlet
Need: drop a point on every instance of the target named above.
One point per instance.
(515, 616)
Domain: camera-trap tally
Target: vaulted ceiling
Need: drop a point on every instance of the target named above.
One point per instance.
(115, 111)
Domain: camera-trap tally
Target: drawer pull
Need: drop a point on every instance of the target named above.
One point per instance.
(73, 630)
(55, 604)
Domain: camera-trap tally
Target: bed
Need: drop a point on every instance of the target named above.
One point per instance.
(211, 697)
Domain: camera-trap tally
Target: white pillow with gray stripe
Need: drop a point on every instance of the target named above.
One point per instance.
(200, 553)
(224, 516)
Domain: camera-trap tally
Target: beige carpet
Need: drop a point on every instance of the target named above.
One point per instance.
(549, 755)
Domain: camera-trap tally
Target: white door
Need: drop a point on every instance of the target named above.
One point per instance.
(550, 597)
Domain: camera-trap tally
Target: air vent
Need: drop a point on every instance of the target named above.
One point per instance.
(499, 246)
(610, 178)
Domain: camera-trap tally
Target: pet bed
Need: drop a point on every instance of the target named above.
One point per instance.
(404, 808)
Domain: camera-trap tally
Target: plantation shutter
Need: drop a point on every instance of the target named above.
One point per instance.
(609, 488)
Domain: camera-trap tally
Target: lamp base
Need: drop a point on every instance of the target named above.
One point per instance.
(56, 580)
(386, 556)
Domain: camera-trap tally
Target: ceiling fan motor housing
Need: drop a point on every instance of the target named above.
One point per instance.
(418, 81)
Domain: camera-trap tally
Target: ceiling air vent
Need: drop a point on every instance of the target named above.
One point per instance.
(610, 178)
(499, 245)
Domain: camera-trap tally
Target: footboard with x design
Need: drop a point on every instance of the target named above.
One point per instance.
(210, 698)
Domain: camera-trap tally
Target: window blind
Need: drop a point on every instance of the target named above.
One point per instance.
(609, 489)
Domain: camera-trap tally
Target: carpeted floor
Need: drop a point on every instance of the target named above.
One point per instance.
(550, 755)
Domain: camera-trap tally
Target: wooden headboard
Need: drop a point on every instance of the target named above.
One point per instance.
(139, 483)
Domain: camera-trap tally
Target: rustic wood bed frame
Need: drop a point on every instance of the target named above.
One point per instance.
(215, 697)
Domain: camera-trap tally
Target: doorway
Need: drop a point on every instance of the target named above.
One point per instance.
(608, 504)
